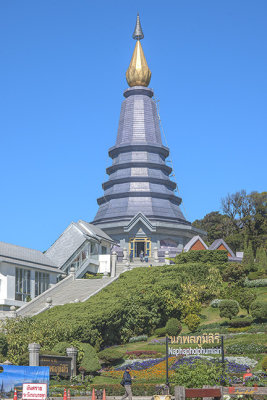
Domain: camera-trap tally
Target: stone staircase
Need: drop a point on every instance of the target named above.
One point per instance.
(72, 290)
(69, 290)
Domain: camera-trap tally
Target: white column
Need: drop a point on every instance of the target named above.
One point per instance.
(125, 255)
(166, 257)
(113, 264)
(34, 352)
(156, 255)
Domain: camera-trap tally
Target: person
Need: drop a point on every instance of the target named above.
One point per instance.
(146, 258)
(247, 375)
(127, 383)
(142, 256)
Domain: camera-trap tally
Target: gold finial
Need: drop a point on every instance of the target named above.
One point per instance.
(138, 73)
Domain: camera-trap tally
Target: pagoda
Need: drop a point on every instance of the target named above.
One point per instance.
(139, 208)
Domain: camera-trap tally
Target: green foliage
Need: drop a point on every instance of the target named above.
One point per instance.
(256, 283)
(21, 332)
(88, 275)
(192, 321)
(228, 309)
(3, 344)
(245, 348)
(261, 258)
(248, 258)
(138, 389)
(240, 322)
(202, 256)
(141, 338)
(264, 364)
(259, 274)
(245, 298)
(200, 374)
(173, 327)
(215, 224)
(160, 331)
(259, 310)
(234, 273)
(110, 355)
(89, 362)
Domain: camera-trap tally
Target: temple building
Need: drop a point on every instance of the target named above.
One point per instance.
(139, 209)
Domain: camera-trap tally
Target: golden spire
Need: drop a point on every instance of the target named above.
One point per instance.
(138, 73)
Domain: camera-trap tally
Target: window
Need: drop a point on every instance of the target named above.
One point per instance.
(103, 250)
(41, 282)
(22, 284)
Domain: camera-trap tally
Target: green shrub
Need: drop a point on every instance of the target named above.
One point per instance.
(264, 364)
(3, 344)
(228, 308)
(245, 348)
(215, 303)
(238, 330)
(256, 283)
(259, 274)
(90, 362)
(259, 310)
(192, 321)
(173, 327)
(234, 273)
(202, 256)
(141, 338)
(61, 347)
(160, 331)
(240, 322)
(110, 355)
(138, 389)
(199, 374)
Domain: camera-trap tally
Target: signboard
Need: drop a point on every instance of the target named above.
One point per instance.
(34, 391)
(14, 376)
(58, 365)
(200, 340)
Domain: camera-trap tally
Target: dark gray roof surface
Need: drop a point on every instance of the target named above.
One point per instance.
(13, 251)
(139, 176)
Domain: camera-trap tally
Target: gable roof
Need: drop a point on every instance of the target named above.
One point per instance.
(74, 236)
(217, 243)
(137, 218)
(191, 243)
(11, 252)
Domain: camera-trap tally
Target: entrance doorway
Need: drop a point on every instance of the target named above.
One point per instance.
(136, 245)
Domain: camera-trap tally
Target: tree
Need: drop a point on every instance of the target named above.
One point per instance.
(259, 310)
(261, 258)
(215, 224)
(248, 258)
(228, 308)
(192, 321)
(173, 327)
(234, 273)
(245, 298)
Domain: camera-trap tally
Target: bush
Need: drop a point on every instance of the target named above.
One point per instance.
(234, 273)
(202, 256)
(259, 274)
(142, 354)
(259, 310)
(256, 283)
(110, 355)
(200, 374)
(215, 303)
(141, 338)
(160, 332)
(90, 362)
(240, 322)
(264, 364)
(139, 389)
(3, 344)
(192, 321)
(228, 308)
(238, 330)
(173, 327)
(245, 348)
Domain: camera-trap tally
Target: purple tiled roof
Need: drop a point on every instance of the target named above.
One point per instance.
(139, 177)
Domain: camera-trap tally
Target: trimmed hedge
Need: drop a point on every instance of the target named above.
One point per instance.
(173, 327)
(138, 389)
(110, 355)
(246, 348)
(160, 331)
(202, 256)
(256, 283)
(240, 322)
(258, 310)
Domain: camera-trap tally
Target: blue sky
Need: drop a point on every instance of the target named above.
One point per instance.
(62, 75)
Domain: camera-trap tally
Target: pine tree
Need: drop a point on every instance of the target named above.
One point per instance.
(248, 259)
(261, 258)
